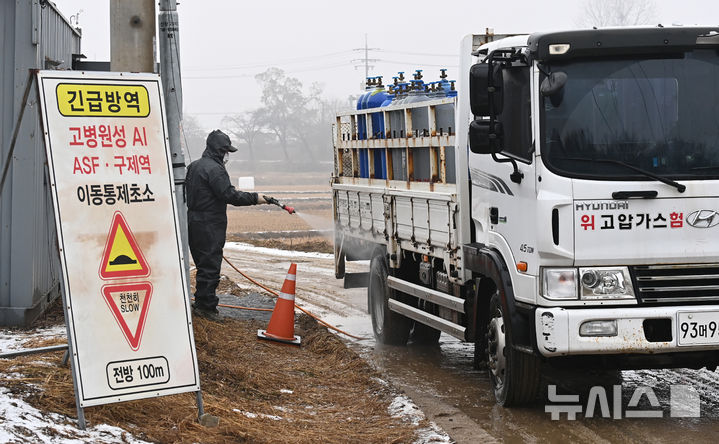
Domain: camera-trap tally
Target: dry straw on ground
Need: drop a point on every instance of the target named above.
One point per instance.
(262, 392)
(314, 244)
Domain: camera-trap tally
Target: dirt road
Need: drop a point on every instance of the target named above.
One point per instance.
(442, 382)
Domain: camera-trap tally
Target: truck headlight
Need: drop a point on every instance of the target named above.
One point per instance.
(560, 283)
(605, 283)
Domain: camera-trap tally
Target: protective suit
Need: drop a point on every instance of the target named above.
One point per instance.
(208, 190)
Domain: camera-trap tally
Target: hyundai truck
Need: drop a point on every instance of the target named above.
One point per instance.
(566, 215)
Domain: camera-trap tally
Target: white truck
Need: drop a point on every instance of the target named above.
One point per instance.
(570, 217)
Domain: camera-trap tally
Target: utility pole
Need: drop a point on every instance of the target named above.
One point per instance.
(366, 60)
(133, 49)
(169, 37)
(132, 35)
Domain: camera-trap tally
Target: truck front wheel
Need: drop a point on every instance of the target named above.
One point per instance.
(388, 327)
(514, 375)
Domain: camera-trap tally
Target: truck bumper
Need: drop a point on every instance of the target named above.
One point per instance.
(558, 330)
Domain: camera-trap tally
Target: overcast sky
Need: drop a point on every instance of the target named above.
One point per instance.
(225, 43)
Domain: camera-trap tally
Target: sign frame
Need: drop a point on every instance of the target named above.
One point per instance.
(47, 83)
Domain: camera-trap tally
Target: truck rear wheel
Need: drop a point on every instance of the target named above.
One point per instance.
(515, 376)
(388, 327)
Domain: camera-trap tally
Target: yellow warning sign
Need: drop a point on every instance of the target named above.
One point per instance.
(122, 257)
(102, 100)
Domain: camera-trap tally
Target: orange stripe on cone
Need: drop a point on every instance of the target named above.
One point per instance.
(282, 323)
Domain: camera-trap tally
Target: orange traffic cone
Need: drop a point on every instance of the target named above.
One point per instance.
(282, 322)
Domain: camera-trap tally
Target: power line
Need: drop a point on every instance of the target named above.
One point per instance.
(290, 61)
(417, 53)
(324, 68)
(240, 76)
(223, 76)
(404, 62)
(213, 113)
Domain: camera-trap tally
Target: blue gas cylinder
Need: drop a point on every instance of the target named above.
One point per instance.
(362, 127)
(361, 104)
(388, 100)
(446, 85)
(452, 91)
(376, 99)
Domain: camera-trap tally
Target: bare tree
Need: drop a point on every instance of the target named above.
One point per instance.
(300, 119)
(248, 127)
(319, 123)
(602, 13)
(284, 104)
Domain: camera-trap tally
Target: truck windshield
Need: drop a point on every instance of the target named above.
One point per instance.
(657, 114)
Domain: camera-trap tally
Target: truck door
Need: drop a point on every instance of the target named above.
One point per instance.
(503, 208)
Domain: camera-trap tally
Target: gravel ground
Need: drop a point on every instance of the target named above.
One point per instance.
(253, 300)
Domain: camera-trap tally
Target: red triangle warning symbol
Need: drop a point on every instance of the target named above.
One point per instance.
(122, 257)
(128, 304)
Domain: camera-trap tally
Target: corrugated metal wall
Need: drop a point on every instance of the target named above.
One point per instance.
(34, 35)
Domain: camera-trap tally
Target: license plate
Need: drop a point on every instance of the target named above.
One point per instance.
(698, 328)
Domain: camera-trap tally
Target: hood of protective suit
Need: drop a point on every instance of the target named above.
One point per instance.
(217, 145)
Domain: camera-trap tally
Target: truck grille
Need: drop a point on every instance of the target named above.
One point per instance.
(672, 284)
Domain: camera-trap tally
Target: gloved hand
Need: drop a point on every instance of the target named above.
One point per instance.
(261, 200)
(269, 200)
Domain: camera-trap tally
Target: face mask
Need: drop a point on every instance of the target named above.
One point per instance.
(226, 158)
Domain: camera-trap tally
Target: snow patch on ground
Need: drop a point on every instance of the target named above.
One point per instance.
(255, 415)
(403, 407)
(380, 381)
(13, 340)
(21, 422)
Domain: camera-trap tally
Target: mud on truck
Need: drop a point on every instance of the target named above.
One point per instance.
(561, 211)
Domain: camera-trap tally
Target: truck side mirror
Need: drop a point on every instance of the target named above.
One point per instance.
(483, 139)
(480, 90)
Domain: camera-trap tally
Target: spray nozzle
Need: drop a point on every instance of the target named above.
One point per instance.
(273, 201)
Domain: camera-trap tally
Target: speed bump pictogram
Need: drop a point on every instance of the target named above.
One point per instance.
(122, 257)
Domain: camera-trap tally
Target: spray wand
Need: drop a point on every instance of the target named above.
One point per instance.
(274, 201)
